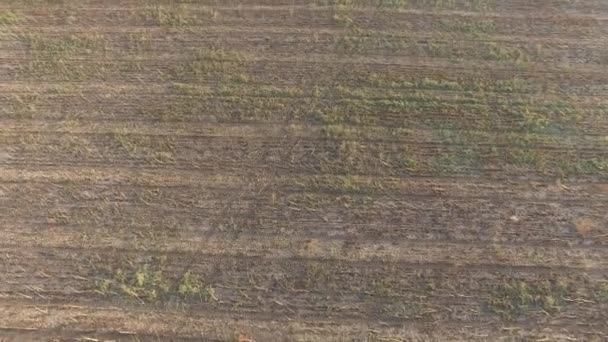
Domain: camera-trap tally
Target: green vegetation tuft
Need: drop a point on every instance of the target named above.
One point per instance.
(343, 20)
(149, 284)
(496, 52)
(514, 299)
(429, 83)
(178, 15)
(83, 44)
(214, 64)
(166, 16)
(10, 18)
(460, 157)
(404, 310)
(481, 85)
(602, 293)
(55, 57)
(592, 166)
(475, 27)
(152, 149)
(471, 5)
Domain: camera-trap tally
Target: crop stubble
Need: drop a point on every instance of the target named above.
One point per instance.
(304, 170)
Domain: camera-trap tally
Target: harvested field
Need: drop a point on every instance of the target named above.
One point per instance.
(304, 170)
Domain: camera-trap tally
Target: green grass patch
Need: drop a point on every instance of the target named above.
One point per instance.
(153, 149)
(148, 283)
(602, 293)
(514, 299)
(21, 106)
(592, 166)
(497, 52)
(461, 155)
(526, 157)
(10, 18)
(404, 310)
(85, 44)
(394, 81)
(341, 184)
(471, 5)
(178, 15)
(475, 27)
(463, 160)
(343, 19)
(215, 64)
(52, 56)
(167, 16)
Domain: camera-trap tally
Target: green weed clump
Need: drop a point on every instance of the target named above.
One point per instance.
(602, 293)
(145, 147)
(471, 5)
(178, 16)
(592, 166)
(10, 18)
(214, 64)
(55, 56)
(476, 27)
(148, 284)
(500, 53)
(514, 299)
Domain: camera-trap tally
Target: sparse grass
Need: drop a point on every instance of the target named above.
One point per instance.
(514, 299)
(215, 64)
(343, 20)
(315, 274)
(72, 45)
(138, 43)
(148, 283)
(392, 3)
(22, 106)
(409, 161)
(591, 166)
(345, 184)
(178, 15)
(342, 3)
(471, 5)
(330, 105)
(429, 83)
(526, 157)
(507, 86)
(58, 217)
(338, 131)
(10, 18)
(275, 92)
(497, 52)
(404, 310)
(362, 3)
(65, 145)
(515, 85)
(357, 41)
(554, 117)
(154, 149)
(323, 188)
(476, 27)
(167, 16)
(464, 160)
(190, 89)
(461, 156)
(54, 57)
(602, 293)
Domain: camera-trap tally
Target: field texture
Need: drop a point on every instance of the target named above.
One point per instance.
(301, 170)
